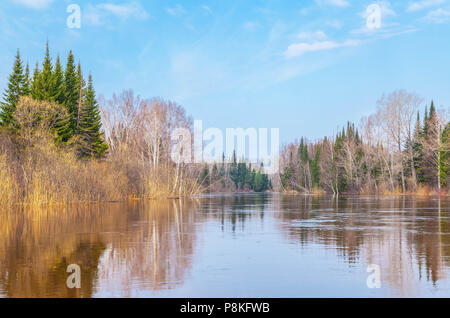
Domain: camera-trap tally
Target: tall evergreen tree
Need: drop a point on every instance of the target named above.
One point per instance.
(81, 88)
(315, 170)
(444, 166)
(58, 82)
(425, 122)
(34, 89)
(15, 89)
(27, 81)
(234, 176)
(89, 126)
(45, 84)
(71, 94)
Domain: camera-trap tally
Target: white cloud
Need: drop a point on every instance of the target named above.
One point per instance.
(34, 4)
(336, 24)
(336, 3)
(386, 9)
(207, 9)
(251, 26)
(438, 16)
(420, 5)
(299, 49)
(305, 11)
(176, 11)
(316, 35)
(98, 15)
(125, 11)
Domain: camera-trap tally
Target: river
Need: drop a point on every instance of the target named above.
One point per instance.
(246, 245)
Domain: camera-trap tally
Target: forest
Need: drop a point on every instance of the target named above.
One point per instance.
(60, 143)
(394, 151)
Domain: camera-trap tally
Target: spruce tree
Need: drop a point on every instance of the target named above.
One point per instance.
(71, 91)
(89, 126)
(315, 170)
(444, 165)
(58, 82)
(15, 89)
(425, 122)
(234, 175)
(27, 81)
(432, 110)
(81, 89)
(45, 84)
(34, 89)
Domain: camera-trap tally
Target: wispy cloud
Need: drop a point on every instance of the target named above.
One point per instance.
(424, 4)
(34, 4)
(125, 11)
(177, 10)
(298, 49)
(336, 24)
(438, 16)
(335, 3)
(251, 26)
(312, 35)
(99, 14)
(207, 9)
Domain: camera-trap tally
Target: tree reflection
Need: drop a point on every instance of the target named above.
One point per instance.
(114, 244)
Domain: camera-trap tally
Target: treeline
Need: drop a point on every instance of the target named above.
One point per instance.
(234, 176)
(393, 151)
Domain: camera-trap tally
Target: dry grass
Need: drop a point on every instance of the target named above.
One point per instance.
(50, 175)
(318, 191)
(9, 193)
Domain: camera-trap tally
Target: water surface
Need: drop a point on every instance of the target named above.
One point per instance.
(250, 245)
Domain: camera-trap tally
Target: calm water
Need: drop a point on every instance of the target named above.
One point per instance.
(255, 245)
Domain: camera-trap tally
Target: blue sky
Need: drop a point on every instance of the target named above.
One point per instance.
(305, 67)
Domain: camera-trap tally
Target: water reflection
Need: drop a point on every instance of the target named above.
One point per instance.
(229, 245)
(408, 237)
(119, 247)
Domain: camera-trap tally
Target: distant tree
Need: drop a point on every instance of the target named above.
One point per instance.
(418, 150)
(234, 174)
(432, 148)
(204, 177)
(315, 170)
(444, 169)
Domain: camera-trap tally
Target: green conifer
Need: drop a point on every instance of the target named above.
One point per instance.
(89, 126)
(58, 82)
(71, 94)
(45, 84)
(15, 89)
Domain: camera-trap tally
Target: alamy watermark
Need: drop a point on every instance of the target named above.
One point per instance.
(74, 279)
(374, 279)
(210, 145)
(74, 19)
(373, 16)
